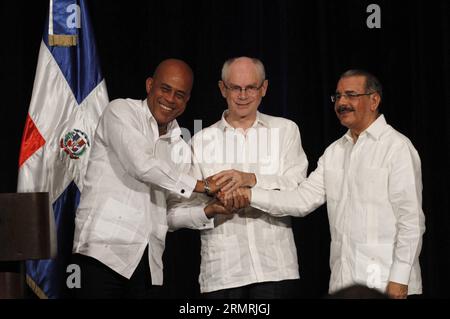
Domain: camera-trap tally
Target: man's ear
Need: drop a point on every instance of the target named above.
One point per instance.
(222, 88)
(148, 85)
(375, 101)
(265, 85)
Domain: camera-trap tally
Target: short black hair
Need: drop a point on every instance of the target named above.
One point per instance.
(372, 83)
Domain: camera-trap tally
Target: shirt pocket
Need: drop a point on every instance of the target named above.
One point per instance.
(278, 251)
(221, 256)
(118, 223)
(334, 179)
(372, 184)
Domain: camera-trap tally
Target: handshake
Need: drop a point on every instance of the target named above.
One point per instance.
(230, 190)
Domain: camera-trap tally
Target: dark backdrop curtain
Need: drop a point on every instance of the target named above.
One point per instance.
(305, 46)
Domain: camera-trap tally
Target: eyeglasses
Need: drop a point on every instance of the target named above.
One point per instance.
(350, 96)
(250, 90)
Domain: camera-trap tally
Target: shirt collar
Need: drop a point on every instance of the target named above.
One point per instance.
(374, 130)
(173, 129)
(377, 127)
(223, 124)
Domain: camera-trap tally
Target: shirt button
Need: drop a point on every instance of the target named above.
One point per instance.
(182, 191)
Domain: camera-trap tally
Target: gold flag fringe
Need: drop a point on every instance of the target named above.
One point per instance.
(62, 40)
(35, 288)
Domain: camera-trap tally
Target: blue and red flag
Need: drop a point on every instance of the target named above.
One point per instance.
(69, 95)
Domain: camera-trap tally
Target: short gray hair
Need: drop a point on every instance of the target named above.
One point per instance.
(372, 83)
(259, 67)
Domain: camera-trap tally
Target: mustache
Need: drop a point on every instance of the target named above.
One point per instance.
(344, 108)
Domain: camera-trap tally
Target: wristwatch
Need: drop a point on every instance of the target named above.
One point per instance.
(207, 188)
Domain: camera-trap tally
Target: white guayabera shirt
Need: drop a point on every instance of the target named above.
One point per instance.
(373, 190)
(130, 172)
(250, 246)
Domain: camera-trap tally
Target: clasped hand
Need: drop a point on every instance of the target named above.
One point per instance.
(231, 189)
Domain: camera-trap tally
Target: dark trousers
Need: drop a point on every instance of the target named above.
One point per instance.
(284, 289)
(100, 281)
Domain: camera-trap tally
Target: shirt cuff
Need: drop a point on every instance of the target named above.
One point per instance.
(274, 182)
(185, 185)
(263, 182)
(400, 273)
(200, 219)
(260, 199)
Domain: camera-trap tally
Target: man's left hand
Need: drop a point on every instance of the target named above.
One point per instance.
(235, 180)
(396, 290)
(238, 199)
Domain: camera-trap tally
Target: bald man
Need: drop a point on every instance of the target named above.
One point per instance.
(121, 223)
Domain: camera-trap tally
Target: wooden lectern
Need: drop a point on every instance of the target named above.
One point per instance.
(26, 232)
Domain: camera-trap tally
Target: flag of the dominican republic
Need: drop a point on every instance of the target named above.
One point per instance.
(69, 94)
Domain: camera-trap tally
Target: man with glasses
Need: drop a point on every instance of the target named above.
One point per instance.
(249, 254)
(371, 181)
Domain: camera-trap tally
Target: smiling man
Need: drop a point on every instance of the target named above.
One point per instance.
(371, 181)
(121, 222)
(168, 91)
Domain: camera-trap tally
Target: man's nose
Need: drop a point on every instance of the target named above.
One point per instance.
(243, 93)
(170, 97)
(341, 98)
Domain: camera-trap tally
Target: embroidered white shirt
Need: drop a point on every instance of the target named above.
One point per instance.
(373, 190)
(130, 172)
(250, 246)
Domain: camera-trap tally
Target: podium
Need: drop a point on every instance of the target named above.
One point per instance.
(26, 232)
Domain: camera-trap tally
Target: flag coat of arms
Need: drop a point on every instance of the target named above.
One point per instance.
(69, 95)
